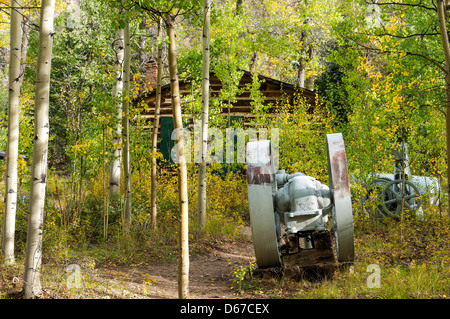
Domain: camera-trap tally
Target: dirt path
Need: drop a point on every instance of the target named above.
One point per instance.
(211, 269)
(210, 275)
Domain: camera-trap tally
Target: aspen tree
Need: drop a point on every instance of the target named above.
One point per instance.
(12, 151)
(441, 6)
(306, 55)
(205, 114)
(33, 256)
(183, 270)
(126, 127)
(114, 178)
(26, 26)
(154, 211)
(160, 9)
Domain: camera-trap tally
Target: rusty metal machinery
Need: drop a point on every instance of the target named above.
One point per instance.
(301, 204)
(401, 189)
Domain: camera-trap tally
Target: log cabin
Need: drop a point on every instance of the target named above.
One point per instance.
(274, 93)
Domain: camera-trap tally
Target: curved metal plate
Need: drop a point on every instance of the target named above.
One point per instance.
(261, 186)
(340, 187)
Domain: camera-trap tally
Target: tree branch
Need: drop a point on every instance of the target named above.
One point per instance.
(418, 5)
(443, 28)
(400, 36)
(407, 53)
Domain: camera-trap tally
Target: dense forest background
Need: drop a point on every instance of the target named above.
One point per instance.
(378, 70)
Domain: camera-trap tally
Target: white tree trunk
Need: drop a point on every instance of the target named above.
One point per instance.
(312, 78)
(33, 255)
(126, 127)
(154, 210)
(205, 114)
(12, 151)
(301, 73)
(114, 178)
(183, 268)
(441, 11)
(25, 41)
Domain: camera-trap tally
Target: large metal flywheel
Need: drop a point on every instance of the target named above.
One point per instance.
(261, 187)
(302, 203)
(340, 187)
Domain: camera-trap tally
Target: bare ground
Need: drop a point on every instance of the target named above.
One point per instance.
(210, 276)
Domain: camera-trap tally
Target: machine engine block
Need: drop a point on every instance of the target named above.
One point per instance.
(302, 204)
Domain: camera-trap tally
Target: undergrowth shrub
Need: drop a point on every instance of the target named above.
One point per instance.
(302, 139)
(226, 211)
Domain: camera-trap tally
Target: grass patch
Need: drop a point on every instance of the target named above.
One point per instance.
(394, 260)
(407, 258)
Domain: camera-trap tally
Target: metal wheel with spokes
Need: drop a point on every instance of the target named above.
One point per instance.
(373, 197)
(392, 198)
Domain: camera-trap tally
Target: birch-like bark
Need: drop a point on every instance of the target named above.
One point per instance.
(301, 72)
(25, 44)
(309, 85)
(142, 49)
(126, 128)
(12, 150)
(154, 210)
(114, 178)
(440, 5)
(183, 267)
(205, 115)
(33, 256)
